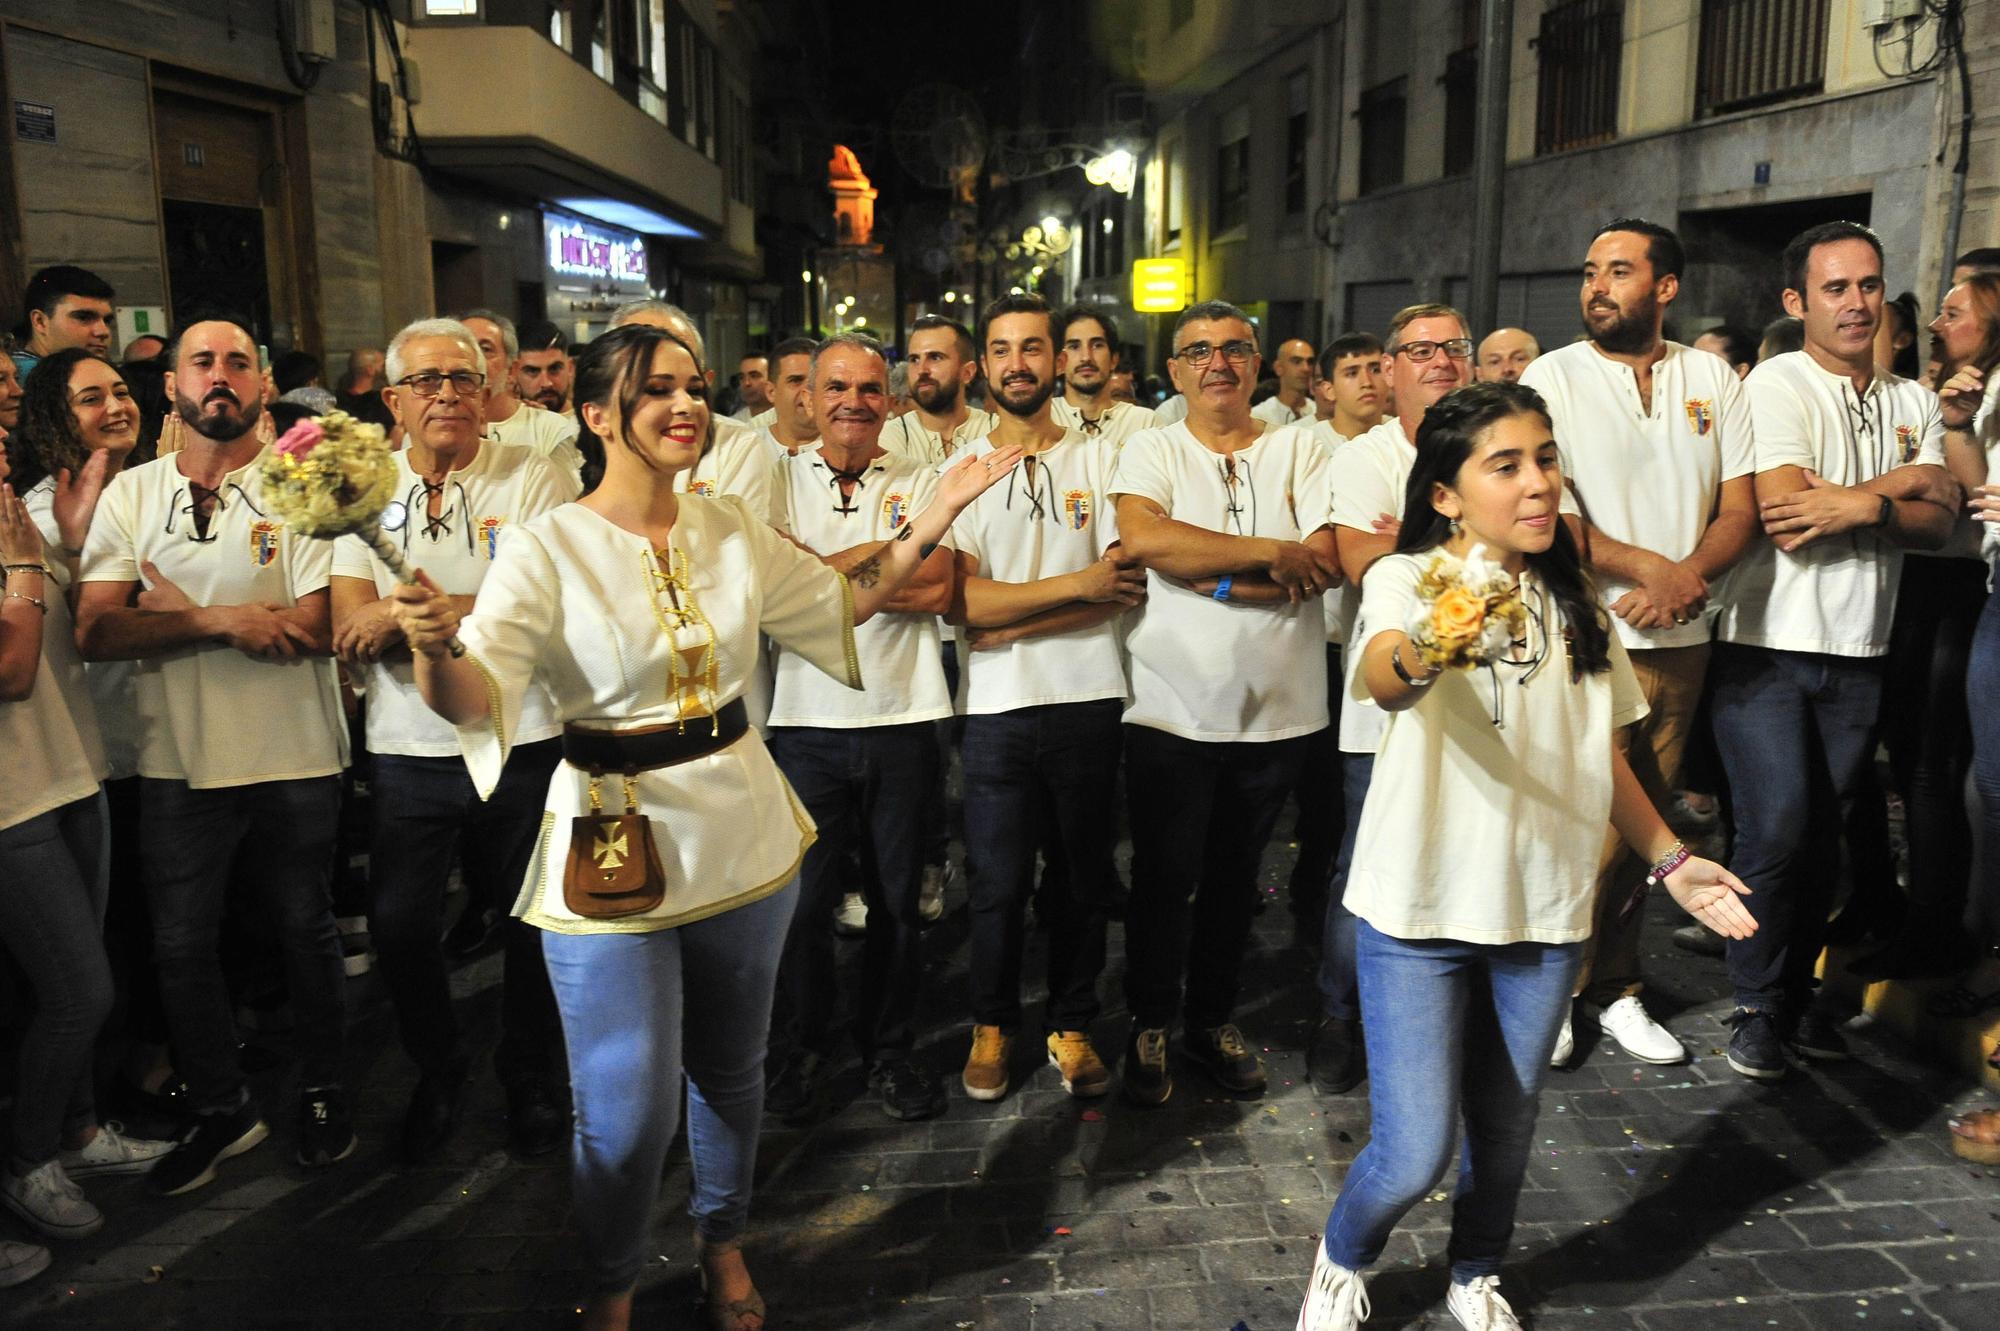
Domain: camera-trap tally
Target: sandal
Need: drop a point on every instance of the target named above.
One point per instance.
(745, 1314)
(1976, 1136)
(1960, 1002)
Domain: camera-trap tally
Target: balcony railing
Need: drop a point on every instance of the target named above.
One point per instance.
(1576, 101)
(1755, 52)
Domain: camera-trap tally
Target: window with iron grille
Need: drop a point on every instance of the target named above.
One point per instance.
(1384, 108)
(1576, 100)
(1755, 52)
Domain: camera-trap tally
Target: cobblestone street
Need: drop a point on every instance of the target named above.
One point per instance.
(1662, 1198)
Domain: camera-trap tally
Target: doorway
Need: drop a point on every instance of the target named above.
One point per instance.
(216, 262)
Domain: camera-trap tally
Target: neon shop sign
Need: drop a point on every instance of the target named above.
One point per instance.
(576, 250)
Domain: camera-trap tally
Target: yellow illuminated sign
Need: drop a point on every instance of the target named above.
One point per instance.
(1159, 286)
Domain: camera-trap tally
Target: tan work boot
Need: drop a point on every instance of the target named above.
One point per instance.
(985, 1075)
(1083, 1072)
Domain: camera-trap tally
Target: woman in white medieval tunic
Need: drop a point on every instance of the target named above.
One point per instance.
(638, 608)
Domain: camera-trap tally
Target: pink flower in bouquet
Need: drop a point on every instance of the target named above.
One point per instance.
(301, 439)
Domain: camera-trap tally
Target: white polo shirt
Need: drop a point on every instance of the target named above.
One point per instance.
(906, 436)
(1025, 529)
(1647, 477)
(483, 503)
(1837, 595)
(208, 714)
(1116, 423)
(1274, 410)
(1209, 670)
(901, 673)
(550, 433)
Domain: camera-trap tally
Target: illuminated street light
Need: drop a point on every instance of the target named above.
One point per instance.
(1117, 169)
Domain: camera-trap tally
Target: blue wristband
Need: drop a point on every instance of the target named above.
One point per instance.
(1221, 592)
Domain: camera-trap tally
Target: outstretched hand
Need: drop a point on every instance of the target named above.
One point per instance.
(971, 476)
(1713, 895)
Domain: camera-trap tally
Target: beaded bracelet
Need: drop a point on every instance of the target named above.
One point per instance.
(34, 601)
(42, 569)
(1668, 863)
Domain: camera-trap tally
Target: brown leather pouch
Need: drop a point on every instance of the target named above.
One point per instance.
(614, 867)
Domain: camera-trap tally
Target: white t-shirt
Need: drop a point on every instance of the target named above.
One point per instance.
(550, 433)
(1837, 595)
(483, 504)
(54, 754)
(738, 463)
(111, 683)
(1274, 410)
(1023, 530)
(1210, 670)
(762, 420)
(1647, 478)
(1480, 832)
(208, 714)
(1116, 421)
(902, 675)
(906, 436)
(1173, 409)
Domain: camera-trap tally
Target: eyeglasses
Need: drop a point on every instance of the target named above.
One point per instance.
(1458, 348)
(426, 383)
(1199, 354)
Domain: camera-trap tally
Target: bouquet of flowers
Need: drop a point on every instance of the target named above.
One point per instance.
(1468, 612)
(334, 476)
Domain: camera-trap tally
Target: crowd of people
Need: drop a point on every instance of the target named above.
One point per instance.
(674, 696)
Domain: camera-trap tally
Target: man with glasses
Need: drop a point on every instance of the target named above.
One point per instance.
(1228, 515)
(458, 499)
(1656, 446)
(241, 743)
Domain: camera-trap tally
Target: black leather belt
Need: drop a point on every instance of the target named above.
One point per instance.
(601, 751)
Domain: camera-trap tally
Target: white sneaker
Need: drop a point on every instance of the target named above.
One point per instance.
(851, 920)
(1628, 1022)
(21, 1262)
(1565, 1040)
(46, 1199)
(112, 1152)
(1479, 1307)
(1336, 1298)
(930, 900)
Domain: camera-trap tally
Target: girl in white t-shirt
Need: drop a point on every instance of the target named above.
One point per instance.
(1474, 865)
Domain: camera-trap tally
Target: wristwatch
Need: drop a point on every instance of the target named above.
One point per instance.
(1888, 513)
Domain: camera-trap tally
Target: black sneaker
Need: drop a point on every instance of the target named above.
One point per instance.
(1222, 1055)
(1817, 1035)
(537, 1122)
(475, 931)
(909, 1090)
(326, 1130)
(211, 1139)
(797, 1090)
(1336, 1059)
(1700, 940)
(1755, 1049)
(1145, 1078)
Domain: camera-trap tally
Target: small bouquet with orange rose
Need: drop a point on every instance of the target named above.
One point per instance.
(1468, 612)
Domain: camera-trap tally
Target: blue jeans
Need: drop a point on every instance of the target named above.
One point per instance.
(638, 1010)
(1200, 813)
(1047, 776)
(870, 782)
(1796, 731)
(1982, 688)
(276, 838)
(1338, 995)
(423, 809)
(54, 882)
(1453, 1029)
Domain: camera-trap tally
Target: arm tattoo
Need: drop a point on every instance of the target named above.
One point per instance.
(866, 573)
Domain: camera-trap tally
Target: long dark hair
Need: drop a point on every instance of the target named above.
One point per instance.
(615, 366)
(48, 440)
(1451, 430)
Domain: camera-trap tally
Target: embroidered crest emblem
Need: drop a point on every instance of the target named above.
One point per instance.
(264, 542)
(704, 488)
(489, 536)
(895, 510)
(1701, 415)
(1076, 509)
(1906, 442)
(610, 847)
